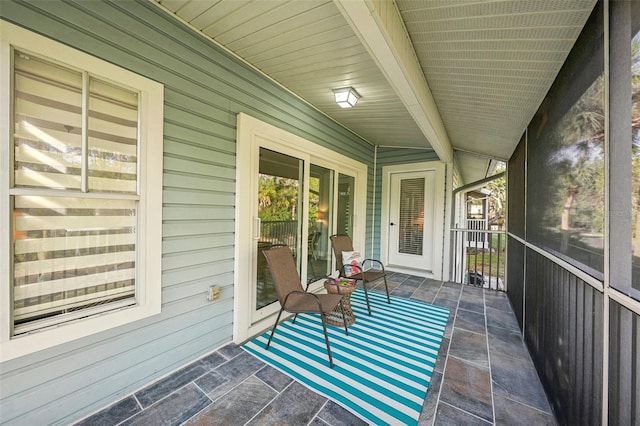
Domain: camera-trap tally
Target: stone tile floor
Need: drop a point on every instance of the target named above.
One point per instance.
(484, 376)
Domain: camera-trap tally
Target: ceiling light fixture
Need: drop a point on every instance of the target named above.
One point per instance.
(346, 97)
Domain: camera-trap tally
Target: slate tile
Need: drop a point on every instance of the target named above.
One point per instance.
(402, 292)
(452, 305)
(498, 300)
(472, 293)
(212, 361)
(424, 295)
(413, 282)
(274, 378)
(231, 373)
(296, 405)
(510, 412)
(451, 284)
(238, 406)
(471, 321)
(397, 277)
(431, 401)
(448, 330)
(499, 318)
(211, 382)
(442, 355)
(335, 415)
(506, 342)
(378, 286)
(518, 395)
(174, 409)
(242, 366)
(430, 282)
(449, 293)
(467, 387)
(516, 379)
(231, 350)
(468, 346)
(113, 414)
(475, 305)
(451, 416)
(164, 387)
(390, 285)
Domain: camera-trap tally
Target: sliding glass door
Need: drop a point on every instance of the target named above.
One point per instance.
(346, 194)
(297, 201)
(292, 192)
(280, 181)
(321, 202)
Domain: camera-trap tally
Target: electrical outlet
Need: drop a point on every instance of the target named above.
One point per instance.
(214, 293)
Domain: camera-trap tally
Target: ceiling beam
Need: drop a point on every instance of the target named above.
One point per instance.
(380, 28)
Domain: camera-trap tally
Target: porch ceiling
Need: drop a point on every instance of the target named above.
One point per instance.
(455, 76)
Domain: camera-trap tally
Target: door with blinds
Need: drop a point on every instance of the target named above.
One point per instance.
(411, 219)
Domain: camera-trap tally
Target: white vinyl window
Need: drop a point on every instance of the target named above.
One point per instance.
(81, 194)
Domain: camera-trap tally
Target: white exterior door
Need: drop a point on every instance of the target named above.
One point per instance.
(411, 219)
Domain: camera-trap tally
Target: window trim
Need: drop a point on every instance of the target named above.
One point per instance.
(149, 227)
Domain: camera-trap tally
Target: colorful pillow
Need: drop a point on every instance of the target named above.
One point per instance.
(352, 262)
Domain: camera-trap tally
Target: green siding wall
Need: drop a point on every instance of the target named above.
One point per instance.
(205, 88)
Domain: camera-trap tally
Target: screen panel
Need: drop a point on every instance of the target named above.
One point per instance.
(565, 153)
(516, 189)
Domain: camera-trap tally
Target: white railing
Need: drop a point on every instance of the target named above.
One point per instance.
(477, 237)
(479, 257)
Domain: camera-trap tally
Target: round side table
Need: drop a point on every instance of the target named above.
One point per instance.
(335, 316)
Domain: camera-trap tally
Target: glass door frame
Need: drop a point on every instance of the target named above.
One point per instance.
(253, 134)
(272, 308)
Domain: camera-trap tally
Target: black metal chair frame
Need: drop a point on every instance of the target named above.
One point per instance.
(318, 298)
(363, 275)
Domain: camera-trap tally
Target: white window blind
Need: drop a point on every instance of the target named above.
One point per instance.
(411, 216)
(74, 195)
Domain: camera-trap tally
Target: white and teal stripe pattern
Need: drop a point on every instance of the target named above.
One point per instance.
(382, 369)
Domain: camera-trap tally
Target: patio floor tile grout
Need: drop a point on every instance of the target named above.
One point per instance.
(441, 414)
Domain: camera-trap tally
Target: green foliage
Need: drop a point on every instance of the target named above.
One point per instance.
(498, 199)
(576, 165)
(277, 198)
(314, 200)
(485, 264)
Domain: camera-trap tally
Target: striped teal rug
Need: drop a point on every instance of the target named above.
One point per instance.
(382, 370)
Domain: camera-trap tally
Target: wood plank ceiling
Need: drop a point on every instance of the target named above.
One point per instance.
(484, 65)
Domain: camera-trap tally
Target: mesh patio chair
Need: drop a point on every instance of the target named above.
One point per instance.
(293, 298)
(312, 245)
(342, 243)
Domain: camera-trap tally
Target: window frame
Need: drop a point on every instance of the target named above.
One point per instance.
(149, 207)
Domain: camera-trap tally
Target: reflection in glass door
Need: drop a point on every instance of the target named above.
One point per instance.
(279, 213)
(320, 222)
(346, 186)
